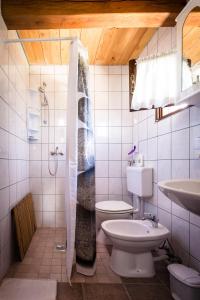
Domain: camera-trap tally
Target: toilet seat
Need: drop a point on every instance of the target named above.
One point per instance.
(113, 206)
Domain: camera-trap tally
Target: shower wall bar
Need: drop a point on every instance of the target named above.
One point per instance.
(38, 40)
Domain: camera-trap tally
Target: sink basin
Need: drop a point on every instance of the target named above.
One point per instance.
(184, 192)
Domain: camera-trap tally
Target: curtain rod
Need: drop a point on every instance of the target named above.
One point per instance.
(29, 40)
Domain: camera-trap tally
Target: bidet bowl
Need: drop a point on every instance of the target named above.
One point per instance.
(134, 235)
(132, 242)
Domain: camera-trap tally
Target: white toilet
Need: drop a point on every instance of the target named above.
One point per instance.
(110, 210)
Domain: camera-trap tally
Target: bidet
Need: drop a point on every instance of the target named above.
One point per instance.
(132, 242)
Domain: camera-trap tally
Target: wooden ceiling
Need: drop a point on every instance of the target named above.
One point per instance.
(57, 14)
(111, 46)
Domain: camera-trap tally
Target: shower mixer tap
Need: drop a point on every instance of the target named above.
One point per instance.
(56, 152)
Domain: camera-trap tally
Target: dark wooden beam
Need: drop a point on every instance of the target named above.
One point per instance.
(52, 14)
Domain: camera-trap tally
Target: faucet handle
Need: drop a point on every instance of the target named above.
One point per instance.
(155, 218)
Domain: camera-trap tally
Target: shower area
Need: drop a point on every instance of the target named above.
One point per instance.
(61, 158)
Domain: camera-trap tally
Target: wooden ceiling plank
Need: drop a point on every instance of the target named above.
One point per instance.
(51, 50)
(33, 51)
(91, 39)
(49, 14)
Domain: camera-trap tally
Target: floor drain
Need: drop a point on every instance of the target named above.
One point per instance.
(61, 247)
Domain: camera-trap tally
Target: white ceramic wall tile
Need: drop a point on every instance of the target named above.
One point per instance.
(115, 152)
(115, 83)
(115, 100)
(115, 135)
(115, 169)
(101, 151)
(101, 168)
(180, 120)
(180, 233)
(115, 118)
(101, 100)
(180, 144)
(164, 146)
(180, 169)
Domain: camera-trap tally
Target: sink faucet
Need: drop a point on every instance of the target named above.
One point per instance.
(154, 220)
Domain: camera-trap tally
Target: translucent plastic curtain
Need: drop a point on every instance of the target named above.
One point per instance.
(71, 156)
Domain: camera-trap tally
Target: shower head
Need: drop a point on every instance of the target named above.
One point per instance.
(41, 89)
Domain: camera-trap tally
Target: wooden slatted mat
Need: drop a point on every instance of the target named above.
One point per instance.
(24, 224)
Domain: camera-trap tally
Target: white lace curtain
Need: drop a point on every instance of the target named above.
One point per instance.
(156, 81)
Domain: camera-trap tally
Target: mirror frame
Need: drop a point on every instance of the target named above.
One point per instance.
(179, 38)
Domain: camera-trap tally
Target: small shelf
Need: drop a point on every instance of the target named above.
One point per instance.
(33, 124)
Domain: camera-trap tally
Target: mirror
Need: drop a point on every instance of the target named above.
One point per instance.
(191, 50)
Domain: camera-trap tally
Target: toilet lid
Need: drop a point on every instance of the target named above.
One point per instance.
(114, 206)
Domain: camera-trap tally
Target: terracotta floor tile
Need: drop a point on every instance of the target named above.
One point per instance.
(66, 292)
(56, 276)
(150, 292)
(104, 291)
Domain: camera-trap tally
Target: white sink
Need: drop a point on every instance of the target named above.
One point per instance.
(184, 192)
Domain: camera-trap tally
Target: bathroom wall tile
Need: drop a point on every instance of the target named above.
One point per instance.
(101, 100)
(101, 134)
(164, 146)
(4, 173)
(35, 151)
(115, 100)
(60, 118)
(48, 219)
(180, 120)
(60, 100)
(152, 149)
(60, 186)
(195, 169)
(180, 144)
(195, 142)
(180, 169)
(115, 186)
(4, 202)
(152, 126)
(164, 202)
(180, 212)
(165, 218)
(101, 83)
(164, 126)
(115, 169)
(180, 233)
(101, 151)
(49, 203)
(127, 119)
(101, 186)
(48, 186)
(60, 203)
(194, 116)
(101, 168)
(115, 70)
(194, 241)
(115, 152)
(127, 135)
(35, 169)
(115, 83)
(101, 118)
(125, 83)
(115, 118)
(37, 202)
(164, 170)
(115, 135)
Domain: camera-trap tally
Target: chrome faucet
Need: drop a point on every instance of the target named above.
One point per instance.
(154, 220)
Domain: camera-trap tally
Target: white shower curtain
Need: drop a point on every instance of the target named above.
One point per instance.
(80, 167)
(71, 156)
